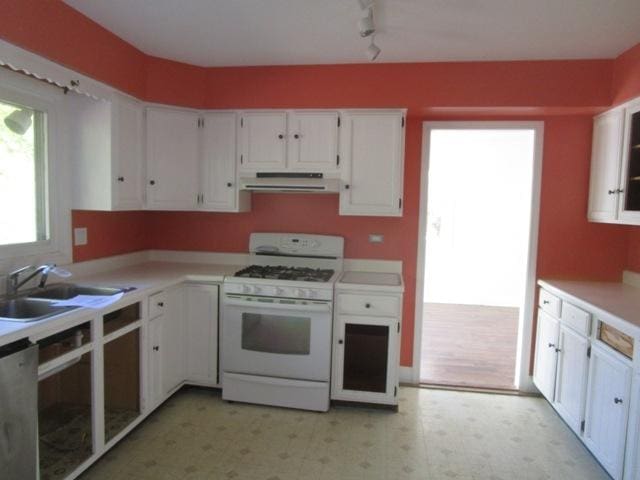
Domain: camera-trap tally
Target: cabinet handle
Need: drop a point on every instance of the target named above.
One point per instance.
(552, 345)
(620, 190)
(558, 350)
(617, 400)
(161, 304)
(611, 192)
(545, 302)
(152, 182)
(280, 136)
(229, 184)
(121, 179)
(367, 305)
(347, 186)
(156, 348)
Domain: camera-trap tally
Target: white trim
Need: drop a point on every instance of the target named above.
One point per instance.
(523, 380)
(631, 278)
(406, 375)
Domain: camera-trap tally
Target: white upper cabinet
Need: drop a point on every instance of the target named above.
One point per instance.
(608, 399)
(263, 141)
(614, 189)
(106, 139)
(373, 154)
(173, 159)
(605, 166)
(219, 153)
(313, 141)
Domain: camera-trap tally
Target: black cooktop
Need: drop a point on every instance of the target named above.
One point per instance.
(300, 274)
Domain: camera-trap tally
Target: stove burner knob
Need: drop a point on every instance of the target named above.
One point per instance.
(257, 290)
(246, 289)
(301, 293)
(280, 291)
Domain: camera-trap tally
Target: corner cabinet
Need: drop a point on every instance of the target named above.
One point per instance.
(373, 151)
(106, 139)
(614, 187)
(366, 347)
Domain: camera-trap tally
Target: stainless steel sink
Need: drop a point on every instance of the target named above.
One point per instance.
(29, 310)
(64, 291)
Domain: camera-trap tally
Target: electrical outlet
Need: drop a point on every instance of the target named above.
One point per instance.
(376, 238)
(80, 236)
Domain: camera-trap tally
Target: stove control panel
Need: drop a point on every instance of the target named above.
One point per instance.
(278, 291)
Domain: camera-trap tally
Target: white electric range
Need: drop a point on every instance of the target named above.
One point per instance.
(277, 321)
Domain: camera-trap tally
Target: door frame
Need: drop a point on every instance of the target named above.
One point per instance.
(523, 380)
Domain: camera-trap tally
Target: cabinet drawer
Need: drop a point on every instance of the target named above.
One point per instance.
(157, 304)
(374, 305)
(576, 318)
(549, 303)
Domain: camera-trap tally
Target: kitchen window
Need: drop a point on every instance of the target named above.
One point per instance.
(34, 204)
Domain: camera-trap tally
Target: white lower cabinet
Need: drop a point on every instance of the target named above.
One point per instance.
(571, 381)
(544, 373)
(155, 393)
(201, 318)
(366, 351)
(607, 409)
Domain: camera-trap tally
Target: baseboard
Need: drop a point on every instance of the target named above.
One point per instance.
(406, 375)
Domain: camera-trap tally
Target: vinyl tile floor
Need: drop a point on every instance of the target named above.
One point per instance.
(437, 434)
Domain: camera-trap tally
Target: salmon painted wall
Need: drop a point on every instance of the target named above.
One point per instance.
(544, 89)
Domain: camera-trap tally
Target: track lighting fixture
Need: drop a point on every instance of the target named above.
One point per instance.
(372, 50)
(366, 24)
(19, 121)
(364, 4)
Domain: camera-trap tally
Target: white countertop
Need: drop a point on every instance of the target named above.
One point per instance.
(146, 277)
(380, 281)
(614, 299)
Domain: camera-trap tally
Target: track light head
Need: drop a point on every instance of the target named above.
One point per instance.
(372, 51)
(365, 25)
(364, 4)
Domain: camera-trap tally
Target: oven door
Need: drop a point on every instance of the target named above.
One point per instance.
(276, 337)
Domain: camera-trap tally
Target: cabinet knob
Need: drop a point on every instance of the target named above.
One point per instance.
(545, 302)
(558, 350)
(347, 186)
(121, 179)
(552, 345)
(152, 182)
(367, 305)
(340, 341)
(620, 190)
(296, 136)
(229, 184)
(617, 400)
(156, 348)
(161, 304)
(280, 136)
(611, 192)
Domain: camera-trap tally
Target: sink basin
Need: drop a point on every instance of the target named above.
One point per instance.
(64, 291)
(29, 310)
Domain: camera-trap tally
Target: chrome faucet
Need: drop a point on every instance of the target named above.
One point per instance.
(13, 283)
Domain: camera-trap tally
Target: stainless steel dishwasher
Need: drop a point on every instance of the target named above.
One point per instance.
(18, 410)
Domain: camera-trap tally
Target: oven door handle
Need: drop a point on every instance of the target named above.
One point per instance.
(311, 307)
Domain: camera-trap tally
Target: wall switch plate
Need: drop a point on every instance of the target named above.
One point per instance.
(80, 236)
(376, 238)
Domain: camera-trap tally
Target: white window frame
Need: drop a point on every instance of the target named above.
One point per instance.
(23, 90)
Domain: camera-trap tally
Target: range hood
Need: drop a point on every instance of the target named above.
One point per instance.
(290, 182)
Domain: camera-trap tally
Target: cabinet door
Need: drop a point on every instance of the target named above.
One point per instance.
(173, 159)
(173, 341)
(544, 372)
(629, 203)
(313, 141)
(605, 166)
(571, 382)
(366, 359)
(154, 384)
(263, 140)
(373, 146)
(607, 409)
(201, 309)
(219, 161)
(128, 135)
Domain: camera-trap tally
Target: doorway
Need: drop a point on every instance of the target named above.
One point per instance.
(478, 237)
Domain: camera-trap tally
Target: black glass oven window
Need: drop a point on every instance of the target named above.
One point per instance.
(365, 357)
(276, 334)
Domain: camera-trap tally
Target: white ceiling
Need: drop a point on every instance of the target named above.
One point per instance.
(290, 32)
